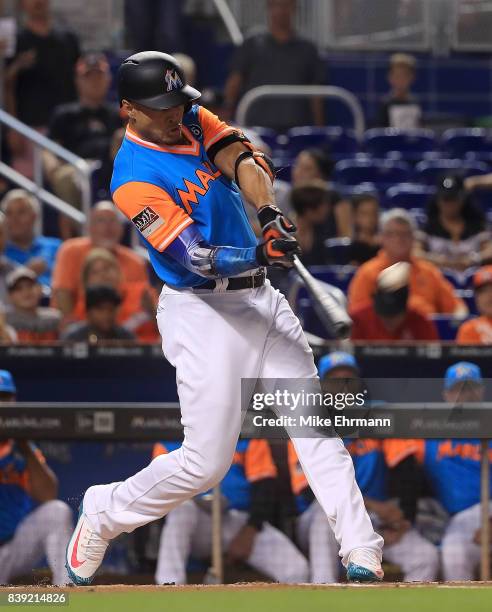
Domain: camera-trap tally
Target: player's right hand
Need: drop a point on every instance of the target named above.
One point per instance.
(278, 252)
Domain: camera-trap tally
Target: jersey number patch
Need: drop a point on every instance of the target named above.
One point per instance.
(147, 221)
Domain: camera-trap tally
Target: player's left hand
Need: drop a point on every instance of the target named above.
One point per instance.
(274, 224)
(278, 252)
(241, 546)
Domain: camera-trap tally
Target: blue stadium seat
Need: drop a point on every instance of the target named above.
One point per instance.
(268, 135)
(350, 191)
(338, 249)
(458, 142)
(337, 142)
(428, 171)
(411, 145)
(340, 276)
(459, 280)
(409, 196)
(483, 197)
(447, 326)
(381, 172)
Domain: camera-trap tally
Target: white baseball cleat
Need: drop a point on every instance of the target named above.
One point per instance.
(364, 565)
(85, 551)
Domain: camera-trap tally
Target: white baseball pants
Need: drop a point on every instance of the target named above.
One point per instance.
(460, 554)
(214, 339)
(44, 532)
(188, 531)
(417, 557)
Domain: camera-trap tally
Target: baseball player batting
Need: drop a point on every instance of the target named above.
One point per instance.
(182, 176)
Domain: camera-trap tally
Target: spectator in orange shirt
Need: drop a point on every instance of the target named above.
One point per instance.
(33, 323)
(429, 291)
(138, 299)
(389, 318)
(105, 231)
(479, 329)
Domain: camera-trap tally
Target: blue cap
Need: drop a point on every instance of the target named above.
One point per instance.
(338, 359)
(7, 384)
(461, 372)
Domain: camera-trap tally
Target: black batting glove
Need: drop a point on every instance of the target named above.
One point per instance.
(278, 252)
(274, 224)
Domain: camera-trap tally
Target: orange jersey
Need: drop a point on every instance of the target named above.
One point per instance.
(430, 292)
(475, 331)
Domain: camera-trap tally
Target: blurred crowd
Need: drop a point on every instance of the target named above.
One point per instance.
(62, 281)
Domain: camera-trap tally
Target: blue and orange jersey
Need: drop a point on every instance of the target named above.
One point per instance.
(252, 461)
(162, 190)
(15, 500)
(452, 468)
(369, 465)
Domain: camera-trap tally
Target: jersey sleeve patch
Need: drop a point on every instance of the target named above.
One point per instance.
(213, 128)
(153, 212)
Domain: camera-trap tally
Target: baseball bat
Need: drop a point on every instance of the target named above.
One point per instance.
(332, 314)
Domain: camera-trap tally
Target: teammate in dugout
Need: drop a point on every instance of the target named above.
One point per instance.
(417, 557)
(33, 523)
(182, 176)
(452, 468)
(248, 504)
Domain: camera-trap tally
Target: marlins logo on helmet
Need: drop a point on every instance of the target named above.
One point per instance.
(172, 79)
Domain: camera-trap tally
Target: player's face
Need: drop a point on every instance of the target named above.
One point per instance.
(159, 126)
(483, 298)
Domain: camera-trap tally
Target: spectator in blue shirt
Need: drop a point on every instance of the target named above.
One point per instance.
(25, 245)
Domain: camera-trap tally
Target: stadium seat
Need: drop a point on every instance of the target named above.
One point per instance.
(428, 171)
(338, 249)
(409, 196)
(447, 326)
(335, 141)
(483, 197)
(460, 280)
(381, 172)
(340, 276)
(458, 142)
(268, 136)
(410, 145)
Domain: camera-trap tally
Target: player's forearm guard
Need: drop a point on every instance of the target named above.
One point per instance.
(192, 251)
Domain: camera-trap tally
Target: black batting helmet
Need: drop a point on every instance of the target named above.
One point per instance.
(155, 80)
